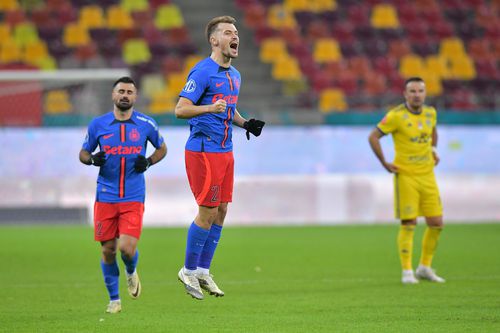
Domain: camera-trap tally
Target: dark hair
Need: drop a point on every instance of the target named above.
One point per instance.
(125, 79)
(413, 79)
(212, 25)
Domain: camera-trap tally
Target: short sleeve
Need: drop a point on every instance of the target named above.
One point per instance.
(155, 137)
(90, 143)
(388, 124)
(196, 85)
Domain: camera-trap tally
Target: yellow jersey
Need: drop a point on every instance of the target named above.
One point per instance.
(412, 136)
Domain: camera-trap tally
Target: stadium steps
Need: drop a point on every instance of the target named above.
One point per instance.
(260, 93)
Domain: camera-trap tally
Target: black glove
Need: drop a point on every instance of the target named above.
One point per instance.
(253, 126)
(142, 163)
(98, 159)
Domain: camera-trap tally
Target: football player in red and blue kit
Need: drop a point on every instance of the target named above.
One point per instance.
(122, 136)
(209, 101)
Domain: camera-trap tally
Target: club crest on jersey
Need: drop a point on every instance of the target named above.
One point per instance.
(134, 135)
(237, 83)
(190, 86)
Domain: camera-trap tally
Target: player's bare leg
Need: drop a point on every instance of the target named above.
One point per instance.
(429, 244)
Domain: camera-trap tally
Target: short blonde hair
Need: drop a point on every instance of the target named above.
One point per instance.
(212, 25)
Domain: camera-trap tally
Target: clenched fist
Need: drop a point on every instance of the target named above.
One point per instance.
(219, 106)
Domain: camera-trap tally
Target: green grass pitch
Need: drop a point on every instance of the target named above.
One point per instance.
(276, 279)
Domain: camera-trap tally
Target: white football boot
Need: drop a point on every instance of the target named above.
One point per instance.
(427, 273)
(191, 284)
(114, 306)
(207, 283)
(134, 285)
(408, 277)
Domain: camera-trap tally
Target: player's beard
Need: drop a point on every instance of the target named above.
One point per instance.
(123, 105)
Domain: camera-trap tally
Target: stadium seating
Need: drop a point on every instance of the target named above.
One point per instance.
(363, 49)
(385, 42)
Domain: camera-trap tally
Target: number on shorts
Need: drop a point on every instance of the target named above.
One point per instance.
(215, 193)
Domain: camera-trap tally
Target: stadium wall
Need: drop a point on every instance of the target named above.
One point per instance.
(289, 175)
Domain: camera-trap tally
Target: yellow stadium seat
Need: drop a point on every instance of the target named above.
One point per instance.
(326, 50)
(176, 82)
(7, 5)
(35, 51)
(411, 65)
(438, 65)
(332, 99)
(135, 5)
(452, 47)
(286, 69)
(152, 84)
(278, 17)
(75, 35)
(118, 18)
(163, 102)
(169, 16)
(294, 87)
(4, 32)
(272, 49)
(462, 68)
(297, 5)
(384, 16)
(323, 5)
(136, 51)
(25, 33)
(433, 84)
(190, 62)
(47, 63)
(10, 52)
(57, 101)
(92, 17)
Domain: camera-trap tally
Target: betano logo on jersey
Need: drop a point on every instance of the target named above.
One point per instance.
(122, 150)
(230, 99)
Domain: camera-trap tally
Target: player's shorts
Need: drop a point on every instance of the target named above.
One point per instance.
(211, 177)
(114, 219)
(416, 195)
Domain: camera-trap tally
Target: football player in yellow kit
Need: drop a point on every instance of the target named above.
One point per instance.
(413, 128)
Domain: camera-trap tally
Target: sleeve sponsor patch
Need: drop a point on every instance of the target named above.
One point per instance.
(190, 86)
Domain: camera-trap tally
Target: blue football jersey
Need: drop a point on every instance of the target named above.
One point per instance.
(122, 141)
(206, 83)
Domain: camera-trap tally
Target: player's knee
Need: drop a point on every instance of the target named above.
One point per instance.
(127, 250)
(222, 211)
(109, 253)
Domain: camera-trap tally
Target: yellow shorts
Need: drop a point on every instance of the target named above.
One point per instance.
(416, 195)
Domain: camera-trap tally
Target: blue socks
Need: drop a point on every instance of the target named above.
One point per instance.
(111, 275)
(131, 264)
(196, 239)
(210, 245)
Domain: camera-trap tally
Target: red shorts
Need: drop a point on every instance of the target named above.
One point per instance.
(210, 176)
(114, 219)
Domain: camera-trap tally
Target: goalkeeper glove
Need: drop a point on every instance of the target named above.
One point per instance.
(253, 126)
(142, 163)
(98, 159)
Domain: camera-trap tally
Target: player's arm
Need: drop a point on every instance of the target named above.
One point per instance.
(374, 140)
(158, 154)
(434, 146)
(98, 159)
(253, 126)
(185, 109)
(238, 119)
